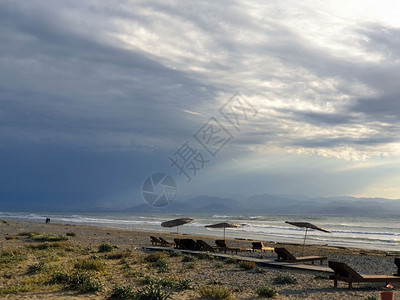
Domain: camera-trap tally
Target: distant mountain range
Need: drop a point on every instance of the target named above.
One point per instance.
(279, 204)
(260, 204)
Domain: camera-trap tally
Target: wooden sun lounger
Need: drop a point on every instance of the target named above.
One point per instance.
(165, 243)
(178, 244)
(190, 244)
(342, 272)
(205, 247)
(155, 241)
(397, 263)
(285, 256)
(224, 247)
(260, 246)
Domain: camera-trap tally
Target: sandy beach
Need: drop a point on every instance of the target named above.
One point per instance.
(28, 263)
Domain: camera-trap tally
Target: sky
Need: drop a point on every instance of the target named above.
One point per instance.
(247, 97)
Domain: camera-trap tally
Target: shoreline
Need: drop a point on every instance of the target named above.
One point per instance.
(357, 232)
(216, 236)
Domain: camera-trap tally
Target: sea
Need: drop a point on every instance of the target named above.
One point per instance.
(379, 232)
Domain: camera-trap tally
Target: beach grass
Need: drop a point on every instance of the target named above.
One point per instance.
(215, 292)
(266, 292)
(111, 266)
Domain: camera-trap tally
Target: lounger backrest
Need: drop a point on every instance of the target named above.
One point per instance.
(190, 244)
(257, 245)
(155, 240)
(397, 262)
(204, 246)
(178, 243)
(284, 254)
(221, 243)
(163, 241)
(343, 270)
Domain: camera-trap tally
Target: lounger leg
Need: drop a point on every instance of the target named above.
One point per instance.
(335, 283)
(350, 285)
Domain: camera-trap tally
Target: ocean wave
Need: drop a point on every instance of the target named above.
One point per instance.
(221, 217)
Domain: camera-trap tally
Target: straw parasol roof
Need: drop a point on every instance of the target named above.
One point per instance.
(224, 225)
(176, 223)
(307, 226)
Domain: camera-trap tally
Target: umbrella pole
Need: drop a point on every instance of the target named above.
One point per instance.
(224, 233)
(304, 242)
(177, 229)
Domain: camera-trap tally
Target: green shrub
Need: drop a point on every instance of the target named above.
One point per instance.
(153, 291)
(83, 282)
(260, 270)
(105, 247)
(47, 245)
(247, 265)
(59, 278)
(205, 256)
(36, 268)
(175, 253)
(183, 284)
(119, 255)
(147, 280)
(161, 265)
(154, 257)
(90, 264)
(70, 234)
(23, 287)
(188, 258)
(371, 298)
(25, 233)
(175, 284)
(47, 237)
(231, 261)
(122, 293)
(11, 256)
(284, 279)
(167, 282)
(217, 293)
(266, 292)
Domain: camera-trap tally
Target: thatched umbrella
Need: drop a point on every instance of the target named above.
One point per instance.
(307, 226)
(176, 223)
(224, 226)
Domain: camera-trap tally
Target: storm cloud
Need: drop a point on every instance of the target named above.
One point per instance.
(83, 80)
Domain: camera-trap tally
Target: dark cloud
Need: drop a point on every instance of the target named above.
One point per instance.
(58, 80)
(99, 93)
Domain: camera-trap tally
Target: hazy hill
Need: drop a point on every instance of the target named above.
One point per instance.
(280, 204)
(264, 204)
